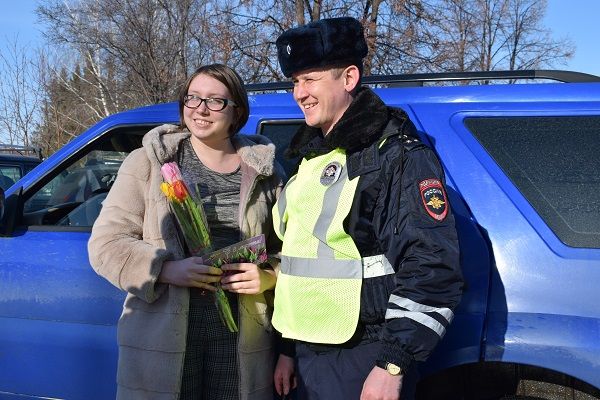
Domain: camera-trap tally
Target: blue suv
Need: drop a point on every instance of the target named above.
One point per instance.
(522, 165)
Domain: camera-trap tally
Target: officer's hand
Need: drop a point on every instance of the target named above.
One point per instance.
(380, 385)
(247, 278)
(284, 376)
(190, 272)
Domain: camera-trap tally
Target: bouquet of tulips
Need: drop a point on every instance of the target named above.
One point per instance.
(191, 218)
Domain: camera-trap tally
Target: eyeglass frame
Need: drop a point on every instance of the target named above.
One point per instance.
(204, 100)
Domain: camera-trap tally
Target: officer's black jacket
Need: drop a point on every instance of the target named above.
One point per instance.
(389, 216)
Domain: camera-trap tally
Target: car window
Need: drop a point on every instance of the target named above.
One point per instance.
(281, 132)
(9, 174)
(71, 196)
(553, 161)
(29, 167)
(92, 174)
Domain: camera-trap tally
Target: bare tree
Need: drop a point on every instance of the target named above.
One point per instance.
(19, 95)
(369, 20)
(491, 35)
(528, 44)
(62, 116)
(454, 35)
(392, 28)
(152, 44)
(126, 53)
(111, 55)
(299, 12)
(404, 43)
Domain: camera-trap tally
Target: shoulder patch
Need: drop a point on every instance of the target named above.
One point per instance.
(434, 198)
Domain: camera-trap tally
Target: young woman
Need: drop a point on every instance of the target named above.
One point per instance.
(172, 343)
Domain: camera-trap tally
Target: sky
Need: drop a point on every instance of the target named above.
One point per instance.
(574, 19)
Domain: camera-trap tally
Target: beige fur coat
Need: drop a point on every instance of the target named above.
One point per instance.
(132, 237)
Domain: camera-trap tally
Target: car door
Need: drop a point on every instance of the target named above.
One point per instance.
(525, 165)
(57, 317)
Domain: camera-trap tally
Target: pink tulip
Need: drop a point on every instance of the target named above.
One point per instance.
(170, 171)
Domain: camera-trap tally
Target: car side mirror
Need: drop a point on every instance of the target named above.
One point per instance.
(8, 211)
(1, 203)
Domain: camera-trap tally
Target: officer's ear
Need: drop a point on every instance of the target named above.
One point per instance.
(351, 76)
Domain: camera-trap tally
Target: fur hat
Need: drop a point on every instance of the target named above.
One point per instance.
(321, 43)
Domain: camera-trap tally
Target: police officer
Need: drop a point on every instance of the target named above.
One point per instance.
(370, 270)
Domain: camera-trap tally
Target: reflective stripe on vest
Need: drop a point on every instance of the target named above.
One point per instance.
(317, 296)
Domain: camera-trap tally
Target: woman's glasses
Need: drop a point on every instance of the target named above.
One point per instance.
(212, 103)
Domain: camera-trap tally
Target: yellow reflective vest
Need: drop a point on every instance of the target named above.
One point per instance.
(317, 296)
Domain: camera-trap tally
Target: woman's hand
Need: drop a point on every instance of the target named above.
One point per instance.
(247, 278)
(190, 272)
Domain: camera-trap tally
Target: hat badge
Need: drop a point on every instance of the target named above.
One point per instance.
(288, 49)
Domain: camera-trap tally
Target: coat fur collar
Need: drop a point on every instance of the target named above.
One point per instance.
(256, 151)
(360, 126)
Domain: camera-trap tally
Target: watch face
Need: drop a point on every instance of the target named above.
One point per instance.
(393, 369)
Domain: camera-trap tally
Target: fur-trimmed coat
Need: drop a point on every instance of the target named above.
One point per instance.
(136, 232)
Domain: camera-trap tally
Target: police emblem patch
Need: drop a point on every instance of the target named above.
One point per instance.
(434, 198)
(331, 173)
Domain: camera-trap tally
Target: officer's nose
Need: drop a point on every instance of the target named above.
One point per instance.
(300, 92)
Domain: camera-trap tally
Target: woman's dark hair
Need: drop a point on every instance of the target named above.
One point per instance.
(234, 83)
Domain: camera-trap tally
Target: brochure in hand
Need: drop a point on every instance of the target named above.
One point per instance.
(251, 250)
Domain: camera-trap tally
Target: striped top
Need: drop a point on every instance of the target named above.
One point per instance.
(220, 194)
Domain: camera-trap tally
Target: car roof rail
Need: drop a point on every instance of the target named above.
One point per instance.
(419, 79)
(21, 150)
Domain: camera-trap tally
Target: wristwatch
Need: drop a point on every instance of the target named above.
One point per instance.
(392, 369)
